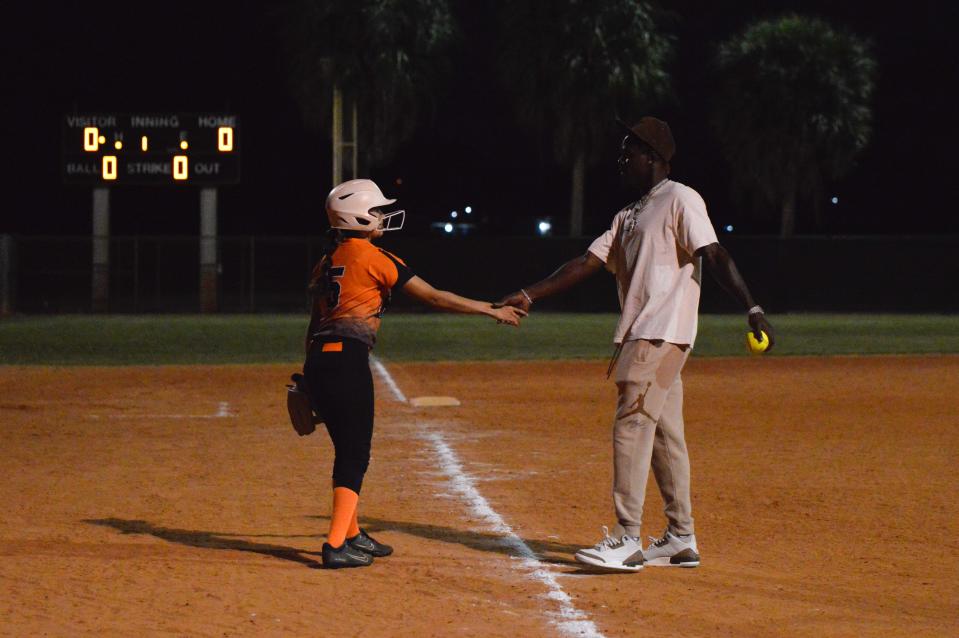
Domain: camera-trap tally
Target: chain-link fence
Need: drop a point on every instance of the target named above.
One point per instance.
(269, 274)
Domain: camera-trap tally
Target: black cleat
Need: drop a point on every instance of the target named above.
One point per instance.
(344, 556)
(366, 543)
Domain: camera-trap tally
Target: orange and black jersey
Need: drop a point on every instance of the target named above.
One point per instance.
(351, 290)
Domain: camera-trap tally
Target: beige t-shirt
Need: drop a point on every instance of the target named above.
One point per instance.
(650, 251)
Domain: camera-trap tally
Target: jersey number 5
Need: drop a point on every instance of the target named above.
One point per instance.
(333, 286)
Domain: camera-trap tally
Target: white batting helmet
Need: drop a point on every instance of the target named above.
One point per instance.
(349, 204)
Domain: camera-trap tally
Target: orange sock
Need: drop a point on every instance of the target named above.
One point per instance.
(354, 525)
(344, 512)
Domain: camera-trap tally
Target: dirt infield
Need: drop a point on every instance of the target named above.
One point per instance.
(178, 501)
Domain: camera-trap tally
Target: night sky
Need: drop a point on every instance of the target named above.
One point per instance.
(85, 57)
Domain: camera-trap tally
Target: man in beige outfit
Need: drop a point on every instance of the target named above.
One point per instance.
(654, 248)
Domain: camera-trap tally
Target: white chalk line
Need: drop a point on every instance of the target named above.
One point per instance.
(223, 412)
(388, 379)
(569, 620)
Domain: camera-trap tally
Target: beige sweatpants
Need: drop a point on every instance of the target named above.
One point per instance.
(648, 430)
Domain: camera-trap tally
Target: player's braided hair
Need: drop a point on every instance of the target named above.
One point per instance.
(331, 242)
(334, 237)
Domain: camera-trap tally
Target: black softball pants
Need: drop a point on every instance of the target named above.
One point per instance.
(341, 388)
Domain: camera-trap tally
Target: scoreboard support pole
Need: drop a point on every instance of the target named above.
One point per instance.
(7, 276)
(101, 250)
(208, 250)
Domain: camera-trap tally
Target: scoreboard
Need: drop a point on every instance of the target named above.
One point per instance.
(107, 148)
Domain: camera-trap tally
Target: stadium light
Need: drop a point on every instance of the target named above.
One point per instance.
(544, 228)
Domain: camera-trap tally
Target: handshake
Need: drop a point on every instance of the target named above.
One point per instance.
(511, 308)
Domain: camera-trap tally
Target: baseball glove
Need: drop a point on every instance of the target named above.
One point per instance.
(298, 403)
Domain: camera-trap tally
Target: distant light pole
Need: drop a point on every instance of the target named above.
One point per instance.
(339, 144)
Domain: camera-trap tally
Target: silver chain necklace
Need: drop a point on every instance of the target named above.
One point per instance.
(641, 204)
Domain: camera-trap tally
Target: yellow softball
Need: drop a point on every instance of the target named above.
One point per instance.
(754, 346)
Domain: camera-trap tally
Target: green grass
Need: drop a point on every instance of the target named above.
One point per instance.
(150, 339)
(194, 339)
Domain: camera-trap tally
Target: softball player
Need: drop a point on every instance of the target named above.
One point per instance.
(655, 248)
(350, 288)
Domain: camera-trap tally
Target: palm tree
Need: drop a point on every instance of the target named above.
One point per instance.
(793, 110)
(573, 64)
(383, 55)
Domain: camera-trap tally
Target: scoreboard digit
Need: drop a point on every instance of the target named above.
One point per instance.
(108, 148)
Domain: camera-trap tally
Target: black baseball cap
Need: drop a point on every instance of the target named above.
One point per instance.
(653, 132)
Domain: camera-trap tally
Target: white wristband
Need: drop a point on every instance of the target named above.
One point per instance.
(756, 310)
(526, 294)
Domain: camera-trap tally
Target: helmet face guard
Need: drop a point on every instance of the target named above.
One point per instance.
(387, 222)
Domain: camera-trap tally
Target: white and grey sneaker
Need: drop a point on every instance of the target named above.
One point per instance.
(623, 554)
(672, 551)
